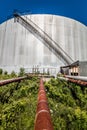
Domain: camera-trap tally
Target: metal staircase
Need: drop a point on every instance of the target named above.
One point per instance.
(43, 37)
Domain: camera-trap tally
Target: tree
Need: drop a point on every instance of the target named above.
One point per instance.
(1, 71)
(22, 72)
(13, 74)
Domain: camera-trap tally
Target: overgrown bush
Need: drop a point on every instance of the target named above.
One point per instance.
(1, 71)
(68, 105)
(22, 72)
(18, 103)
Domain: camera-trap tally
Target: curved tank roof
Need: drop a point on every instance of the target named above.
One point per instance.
(75, 9)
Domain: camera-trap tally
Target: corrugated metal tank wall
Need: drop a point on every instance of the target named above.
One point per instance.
(18, 47)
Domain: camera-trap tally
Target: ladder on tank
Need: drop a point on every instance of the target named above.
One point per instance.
(43, 37)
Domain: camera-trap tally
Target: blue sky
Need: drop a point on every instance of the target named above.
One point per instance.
(76, 9)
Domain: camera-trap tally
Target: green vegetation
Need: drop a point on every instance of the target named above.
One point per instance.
(68, 105)
(1, 71)
(18, 102)
(22, 72)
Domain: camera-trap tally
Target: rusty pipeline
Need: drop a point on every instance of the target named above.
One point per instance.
(43, 117)
(78, 82)
(4, 82)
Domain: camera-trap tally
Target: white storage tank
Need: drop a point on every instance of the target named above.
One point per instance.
(20, 48)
